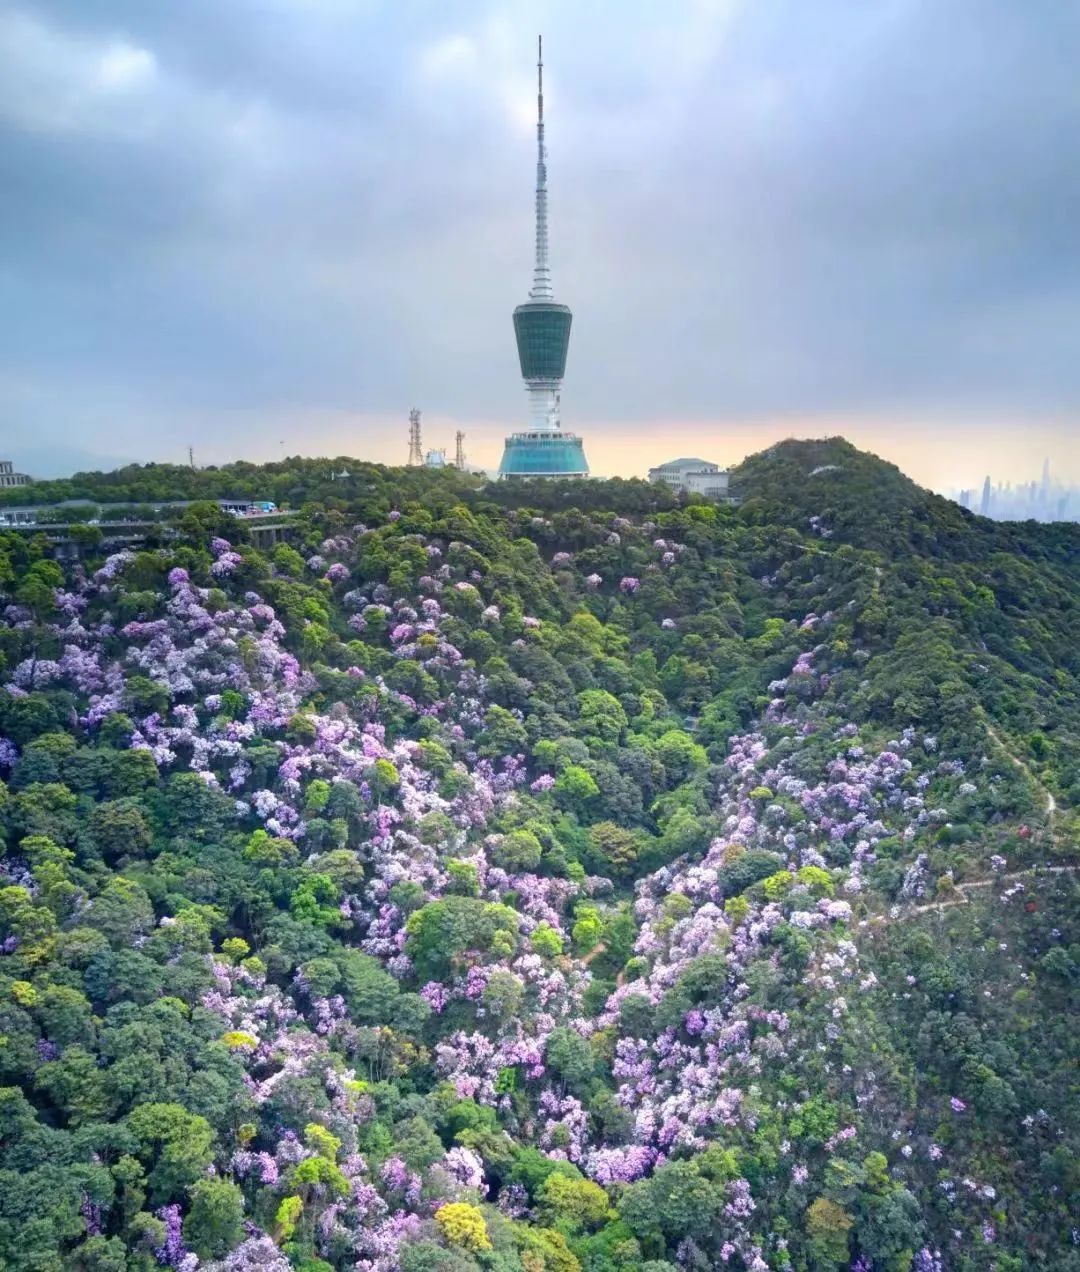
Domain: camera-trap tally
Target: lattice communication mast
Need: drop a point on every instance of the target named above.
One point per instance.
(416, 454)
(459, 451)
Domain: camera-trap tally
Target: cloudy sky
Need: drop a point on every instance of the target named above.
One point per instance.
(266, 227)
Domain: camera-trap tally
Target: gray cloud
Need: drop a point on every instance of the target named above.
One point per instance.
(759, 207)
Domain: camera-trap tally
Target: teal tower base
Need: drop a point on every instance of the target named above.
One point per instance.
(543, 454)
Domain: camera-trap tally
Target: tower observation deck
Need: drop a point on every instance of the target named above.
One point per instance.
(542, 331)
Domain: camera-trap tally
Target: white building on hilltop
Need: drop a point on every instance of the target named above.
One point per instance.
(691, 476)
(9, 478)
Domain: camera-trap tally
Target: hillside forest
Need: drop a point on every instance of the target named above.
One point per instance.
(540, 878)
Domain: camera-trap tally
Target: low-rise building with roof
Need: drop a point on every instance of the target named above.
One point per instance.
(692, 476)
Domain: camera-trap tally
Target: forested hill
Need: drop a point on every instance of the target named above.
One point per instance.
(864, 500)
(533, 878)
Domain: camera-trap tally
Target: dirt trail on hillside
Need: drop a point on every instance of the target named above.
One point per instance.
(964, 888)
(1048, 796)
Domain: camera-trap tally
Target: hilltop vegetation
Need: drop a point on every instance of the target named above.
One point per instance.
(542, 878)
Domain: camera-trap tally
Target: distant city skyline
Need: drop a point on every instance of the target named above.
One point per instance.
(1042, 499)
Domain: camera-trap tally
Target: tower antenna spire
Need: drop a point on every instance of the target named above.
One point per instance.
(541, 288)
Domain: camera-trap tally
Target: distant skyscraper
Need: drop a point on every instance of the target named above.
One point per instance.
(984, 507)
(542, 330)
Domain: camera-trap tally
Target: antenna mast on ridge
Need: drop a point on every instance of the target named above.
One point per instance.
(459, 451)
(416, 454)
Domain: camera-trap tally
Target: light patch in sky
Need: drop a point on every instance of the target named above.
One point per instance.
(54, 82)
(123, 67)
(455, 54)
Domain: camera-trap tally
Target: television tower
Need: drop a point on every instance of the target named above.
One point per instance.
(542, 332)
(459, 451)
(416, 454)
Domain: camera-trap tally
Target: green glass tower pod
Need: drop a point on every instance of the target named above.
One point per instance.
(542, 332)
(542, 329)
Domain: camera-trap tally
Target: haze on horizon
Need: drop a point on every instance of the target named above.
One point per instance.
(266, 229)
